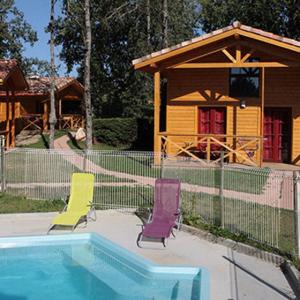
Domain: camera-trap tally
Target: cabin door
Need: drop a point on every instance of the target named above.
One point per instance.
(277, 134)
(212, 120)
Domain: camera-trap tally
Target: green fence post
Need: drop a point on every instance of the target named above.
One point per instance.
(84, 160)
(221, 189)
(2, 143)
(297, 209)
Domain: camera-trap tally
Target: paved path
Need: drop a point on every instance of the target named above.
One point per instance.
(233, 275)
(278, 192)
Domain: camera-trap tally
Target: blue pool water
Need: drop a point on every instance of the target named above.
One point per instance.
(87, 266)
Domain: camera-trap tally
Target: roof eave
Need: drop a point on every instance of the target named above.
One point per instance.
(144, 63)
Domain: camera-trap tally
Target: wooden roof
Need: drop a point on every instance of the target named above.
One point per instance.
(11, 76)
(236, 29)
(41, 85)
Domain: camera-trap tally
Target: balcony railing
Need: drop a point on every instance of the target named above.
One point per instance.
(207, 148)
(71, 121)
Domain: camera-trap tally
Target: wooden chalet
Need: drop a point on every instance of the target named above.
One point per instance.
(235, 90)
(35, 103)
(12, 80)
(31, 106)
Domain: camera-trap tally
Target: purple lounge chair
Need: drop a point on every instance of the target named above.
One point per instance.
(165, 211)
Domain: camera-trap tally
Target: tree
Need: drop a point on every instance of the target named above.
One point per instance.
(123, 30)
(77, 16)
(52, 119)
(14, 31)
(87, 75)
(165, 28)
(36, 66)
(278, 16)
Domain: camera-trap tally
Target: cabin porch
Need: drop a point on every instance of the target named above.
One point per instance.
(210, 149)
(35, 104)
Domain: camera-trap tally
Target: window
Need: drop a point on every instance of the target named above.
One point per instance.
(244, 82)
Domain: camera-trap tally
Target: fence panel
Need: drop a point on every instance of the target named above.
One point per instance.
(260, 205)
(255, 203)
(122, 179)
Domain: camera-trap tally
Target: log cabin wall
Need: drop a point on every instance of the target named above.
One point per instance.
(190, 89)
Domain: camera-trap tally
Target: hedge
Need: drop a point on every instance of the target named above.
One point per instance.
(137, 134)
(116, 131)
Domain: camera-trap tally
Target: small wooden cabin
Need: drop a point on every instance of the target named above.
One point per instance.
(35, 103)
(12, 80)
(235, 90)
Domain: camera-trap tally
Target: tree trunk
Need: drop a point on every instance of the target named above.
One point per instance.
(87, 76)
(52, 119)
(148, 12)
(165, 24)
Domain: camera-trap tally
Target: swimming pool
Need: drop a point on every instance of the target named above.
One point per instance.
(88, 266)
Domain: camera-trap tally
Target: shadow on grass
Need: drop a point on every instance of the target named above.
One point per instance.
(74, 142)
(45, 141)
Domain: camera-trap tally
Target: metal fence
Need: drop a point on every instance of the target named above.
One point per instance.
(255, 203)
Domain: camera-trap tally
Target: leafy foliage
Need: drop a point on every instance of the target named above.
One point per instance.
(116, 131)
(119, 31)
(277, 16)
(36, 66)
(14, 31)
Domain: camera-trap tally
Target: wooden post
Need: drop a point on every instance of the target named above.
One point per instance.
(13, 120)
(296, 176)
(157, 103)
(221, 191)
(238, 53)
(208, 150)
(59, 113)
(46, 115)
(262, 113)
(7, 125)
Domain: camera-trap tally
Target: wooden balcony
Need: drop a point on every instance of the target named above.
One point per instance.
(207, 148)
(40, 121)
(71, 121)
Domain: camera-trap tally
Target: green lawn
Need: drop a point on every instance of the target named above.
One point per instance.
(241, 180)
(18, 204)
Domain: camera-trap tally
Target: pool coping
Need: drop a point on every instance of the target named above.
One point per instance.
(138, 262)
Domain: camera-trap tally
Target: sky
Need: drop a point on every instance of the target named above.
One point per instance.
(37, 14)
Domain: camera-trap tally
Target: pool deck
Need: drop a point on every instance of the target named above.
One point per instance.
(232, 275)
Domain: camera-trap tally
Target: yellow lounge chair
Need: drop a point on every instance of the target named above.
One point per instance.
(80, 201)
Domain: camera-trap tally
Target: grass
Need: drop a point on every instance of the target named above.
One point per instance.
(19, 204)
(240, 180)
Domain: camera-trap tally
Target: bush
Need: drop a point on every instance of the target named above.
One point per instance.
(116, 131)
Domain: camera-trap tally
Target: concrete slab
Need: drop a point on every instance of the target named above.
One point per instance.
(233, 275)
